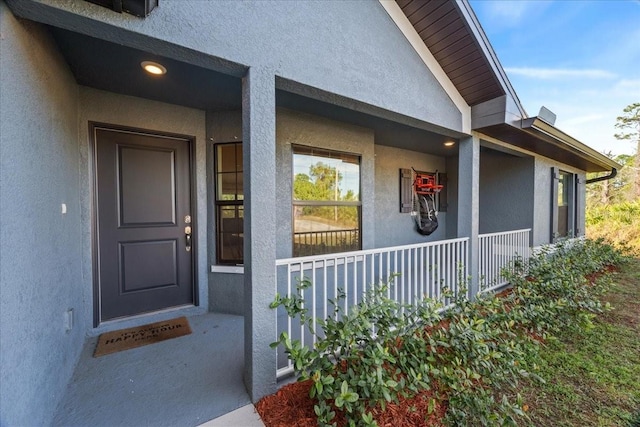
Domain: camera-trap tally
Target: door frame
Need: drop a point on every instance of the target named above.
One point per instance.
(95, 262)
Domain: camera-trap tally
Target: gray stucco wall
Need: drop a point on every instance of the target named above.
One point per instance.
(40, 252)
(348, 48)
(392, 227)
(110, 108)
(452, 197)
(506, 188)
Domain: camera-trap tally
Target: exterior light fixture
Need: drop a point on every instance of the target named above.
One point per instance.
(153, 68)
(449, 143)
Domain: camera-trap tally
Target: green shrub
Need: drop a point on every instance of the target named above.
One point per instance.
(472, 355)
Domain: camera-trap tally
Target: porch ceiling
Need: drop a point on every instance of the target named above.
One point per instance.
(390, 129)
(116, 68)
(108, 66)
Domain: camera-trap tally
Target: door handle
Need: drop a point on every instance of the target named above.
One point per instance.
(187, 232)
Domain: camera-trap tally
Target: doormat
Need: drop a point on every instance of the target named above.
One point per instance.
(125, 339)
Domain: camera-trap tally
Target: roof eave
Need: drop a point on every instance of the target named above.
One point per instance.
(543, 129)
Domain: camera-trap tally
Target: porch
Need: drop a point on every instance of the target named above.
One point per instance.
(423, 271)
(184, 381)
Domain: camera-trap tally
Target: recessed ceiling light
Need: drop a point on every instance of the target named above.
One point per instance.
(449, 143)
(153, 68)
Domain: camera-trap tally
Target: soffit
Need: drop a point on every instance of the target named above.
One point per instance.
(444, 30)
(554, 145)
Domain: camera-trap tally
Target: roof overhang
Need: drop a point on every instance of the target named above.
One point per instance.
(452, 32)
(551, 134)
(536, 135)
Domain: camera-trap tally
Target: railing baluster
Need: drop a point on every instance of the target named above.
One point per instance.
(335, 286)
(314, 291)
(303, 302)
(324, 289)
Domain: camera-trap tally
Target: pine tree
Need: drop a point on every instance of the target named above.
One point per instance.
(629, 125)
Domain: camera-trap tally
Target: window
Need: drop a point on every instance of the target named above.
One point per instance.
(326, 202)
(229, 203)
(563, 204)
(566, 199)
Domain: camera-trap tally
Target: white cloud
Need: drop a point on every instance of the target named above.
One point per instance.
(629, 85)
(558, 73)
(509, 10)
(580, 120)
(501, 14)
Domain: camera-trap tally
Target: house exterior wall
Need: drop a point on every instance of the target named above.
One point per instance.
(451, 228)
(106, 107)
(313, 44)
(41, 273)
(392, 227)
(382, 222)
(543, 203)
(506, 185)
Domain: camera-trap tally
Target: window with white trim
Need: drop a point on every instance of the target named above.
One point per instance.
(229, 203)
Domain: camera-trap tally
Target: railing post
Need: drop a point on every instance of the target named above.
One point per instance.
(469, 204)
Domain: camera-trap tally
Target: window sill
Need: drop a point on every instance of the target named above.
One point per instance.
(229, 269)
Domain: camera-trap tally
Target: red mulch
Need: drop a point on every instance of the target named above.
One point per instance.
(591, 278)
(292, 406)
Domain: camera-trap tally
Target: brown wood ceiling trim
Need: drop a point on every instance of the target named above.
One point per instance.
(445, 32)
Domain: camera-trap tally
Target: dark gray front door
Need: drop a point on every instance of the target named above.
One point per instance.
(143, 219)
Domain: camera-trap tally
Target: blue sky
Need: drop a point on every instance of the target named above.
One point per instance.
(578, 58)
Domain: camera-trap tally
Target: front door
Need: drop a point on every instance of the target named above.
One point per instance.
(144, 248)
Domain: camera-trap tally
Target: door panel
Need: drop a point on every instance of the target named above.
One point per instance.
(140, 269)
(146, 179)
(143, 197)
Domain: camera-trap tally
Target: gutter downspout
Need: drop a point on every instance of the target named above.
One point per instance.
(613, 174)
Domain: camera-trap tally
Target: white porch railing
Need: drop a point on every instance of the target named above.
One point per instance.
(497, 251)
(424, 269)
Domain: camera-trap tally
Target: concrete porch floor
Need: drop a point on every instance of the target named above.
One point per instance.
(183, 381)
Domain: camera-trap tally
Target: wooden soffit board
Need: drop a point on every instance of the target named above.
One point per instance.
(443, 28)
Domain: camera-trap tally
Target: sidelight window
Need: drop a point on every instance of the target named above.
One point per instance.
(229, 203)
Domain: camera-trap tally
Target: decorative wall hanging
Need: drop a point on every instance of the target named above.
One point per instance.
(421, 195)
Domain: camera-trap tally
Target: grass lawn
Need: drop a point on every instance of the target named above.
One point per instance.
(593, 378)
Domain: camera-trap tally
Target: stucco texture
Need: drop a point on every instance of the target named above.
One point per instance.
(392, 227)
(41, 252)
(348, 48)
(506, 186)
